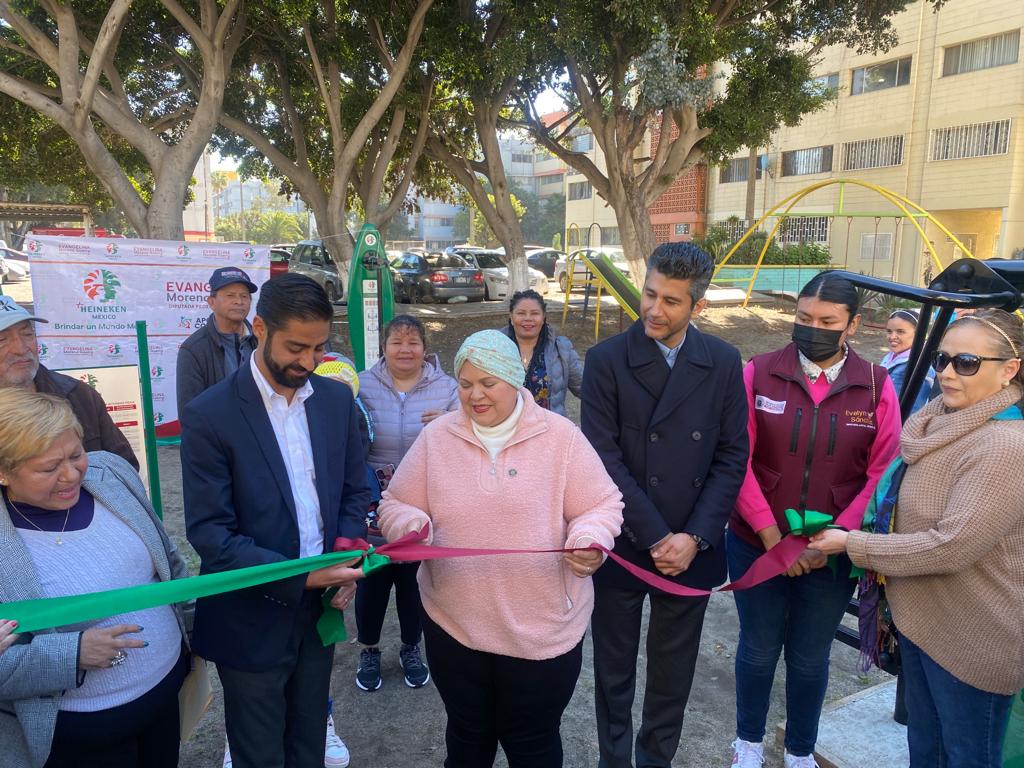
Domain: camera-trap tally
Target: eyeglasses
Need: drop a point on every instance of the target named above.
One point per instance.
(964, 364)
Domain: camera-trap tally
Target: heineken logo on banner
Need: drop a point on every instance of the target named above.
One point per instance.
(101, 285)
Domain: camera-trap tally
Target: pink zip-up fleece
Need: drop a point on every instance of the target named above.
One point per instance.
(547, 489)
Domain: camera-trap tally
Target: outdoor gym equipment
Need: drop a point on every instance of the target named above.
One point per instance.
(371, 297)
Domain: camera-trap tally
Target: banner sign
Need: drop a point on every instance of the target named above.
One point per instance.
(119, 387)
(92, 290)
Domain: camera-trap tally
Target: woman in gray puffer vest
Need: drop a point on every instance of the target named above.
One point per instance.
(553, 367)
(405, 390)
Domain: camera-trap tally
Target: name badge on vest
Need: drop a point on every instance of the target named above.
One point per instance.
(762, 403)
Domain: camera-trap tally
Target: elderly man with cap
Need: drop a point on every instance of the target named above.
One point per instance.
(20, 367)
(219, 348)
(504, 635)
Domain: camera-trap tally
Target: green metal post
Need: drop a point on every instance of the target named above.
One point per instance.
(148, 428)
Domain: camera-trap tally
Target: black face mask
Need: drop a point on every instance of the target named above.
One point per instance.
(816, 344)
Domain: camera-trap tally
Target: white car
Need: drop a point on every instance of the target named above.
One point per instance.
(14, 266)
(496, 273)
(618, 258)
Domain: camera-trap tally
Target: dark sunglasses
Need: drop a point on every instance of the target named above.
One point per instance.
(964, 364)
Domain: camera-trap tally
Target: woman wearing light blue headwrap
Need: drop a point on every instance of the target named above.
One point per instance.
(504, 636)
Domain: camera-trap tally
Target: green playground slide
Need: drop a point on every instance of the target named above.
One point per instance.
(614, 282)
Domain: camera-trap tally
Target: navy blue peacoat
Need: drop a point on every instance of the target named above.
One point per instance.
(673, 439)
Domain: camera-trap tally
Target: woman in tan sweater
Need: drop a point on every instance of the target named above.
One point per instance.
(954, 564)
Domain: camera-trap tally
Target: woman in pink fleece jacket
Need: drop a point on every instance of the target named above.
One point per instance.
(504, 635)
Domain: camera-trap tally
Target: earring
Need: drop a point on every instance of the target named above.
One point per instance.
(1006, 384)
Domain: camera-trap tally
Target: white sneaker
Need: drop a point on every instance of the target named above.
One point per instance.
(747, 754)
(335, 752)
(807, 761)
(227, 755)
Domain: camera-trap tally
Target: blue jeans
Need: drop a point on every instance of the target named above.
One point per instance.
(800, 615)
(951, 724)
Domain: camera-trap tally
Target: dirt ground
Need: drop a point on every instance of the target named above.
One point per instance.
(396, 727)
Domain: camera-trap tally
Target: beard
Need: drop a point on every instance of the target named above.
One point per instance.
(292, 376)
(24, 375)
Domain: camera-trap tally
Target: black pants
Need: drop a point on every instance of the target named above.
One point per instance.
(140, 734)
(276, 718)
(373, 595)
(673, 641)
(492, 699)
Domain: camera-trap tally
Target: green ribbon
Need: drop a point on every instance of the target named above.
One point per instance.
(331, 624)
(808, 523)
(45, 613)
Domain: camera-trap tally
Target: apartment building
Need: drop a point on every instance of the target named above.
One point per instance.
(936, 119)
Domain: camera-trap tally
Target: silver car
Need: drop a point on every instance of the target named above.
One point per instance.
(310, 258)
(492, 264)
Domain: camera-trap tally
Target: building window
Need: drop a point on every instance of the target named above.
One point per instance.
(873, 153)
(682, 229)
(982, 54)
(800, 162)
(736, 169)
(580, 190)
(549, 180)
(977, 140)
(583, 143)
(522, 157)
(881, 76)
(876, 247)
(610, 236)
(804, 229)
(446, 221)
(829, 81)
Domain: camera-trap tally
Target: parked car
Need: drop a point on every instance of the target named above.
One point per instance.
(544, 259)
(14, 266)
(492, 264)
(279, 259)
(618, 258)
(436, 277)
(311, 258)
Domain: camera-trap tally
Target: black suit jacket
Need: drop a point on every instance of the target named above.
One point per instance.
(239, 508)
(673, 439)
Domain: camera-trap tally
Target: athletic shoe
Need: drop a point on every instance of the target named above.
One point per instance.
(335, 752)
(807, 761)
(416, 672)
(747, 754)
(368, 672)
(227, 755)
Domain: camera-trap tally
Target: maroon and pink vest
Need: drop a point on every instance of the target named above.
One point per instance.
(809, 456)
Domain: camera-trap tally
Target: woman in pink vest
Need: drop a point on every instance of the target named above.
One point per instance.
(824, 424)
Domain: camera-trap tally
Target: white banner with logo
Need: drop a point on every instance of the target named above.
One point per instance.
(92, 290)
(119, 387)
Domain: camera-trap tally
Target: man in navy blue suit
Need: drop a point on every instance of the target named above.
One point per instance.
(272, 468)
(665, 408)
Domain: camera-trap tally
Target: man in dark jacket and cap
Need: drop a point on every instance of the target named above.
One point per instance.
(20, 367)
(216, 350)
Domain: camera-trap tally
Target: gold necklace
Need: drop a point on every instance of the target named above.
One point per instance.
(67, 516)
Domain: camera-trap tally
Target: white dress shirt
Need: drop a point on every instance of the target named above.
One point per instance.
(291, 429)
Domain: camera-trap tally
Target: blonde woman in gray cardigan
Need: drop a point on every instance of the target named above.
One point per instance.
(954, 565)
(103, 693)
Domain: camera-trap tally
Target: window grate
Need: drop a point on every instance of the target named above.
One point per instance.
(959, 142)
(884, 152)
(800, 162)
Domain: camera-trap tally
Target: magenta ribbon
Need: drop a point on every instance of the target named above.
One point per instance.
(410, 548)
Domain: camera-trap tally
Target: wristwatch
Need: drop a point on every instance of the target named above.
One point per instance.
(701, 544)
